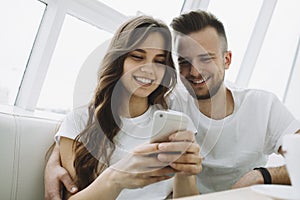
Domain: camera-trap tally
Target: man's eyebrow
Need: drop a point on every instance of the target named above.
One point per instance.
(200, 55)
(207, 55)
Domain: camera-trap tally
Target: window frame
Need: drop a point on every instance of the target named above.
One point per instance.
(256, 39)
(90, 11)
(106, 18)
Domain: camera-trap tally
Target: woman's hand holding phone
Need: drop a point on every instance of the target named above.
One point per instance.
(178, 146)
(140, 168)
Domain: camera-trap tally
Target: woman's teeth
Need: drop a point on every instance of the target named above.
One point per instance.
(144, 80)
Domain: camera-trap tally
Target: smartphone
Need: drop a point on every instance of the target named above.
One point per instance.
(165, 123)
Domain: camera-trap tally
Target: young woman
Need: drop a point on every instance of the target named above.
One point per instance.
(105, 146)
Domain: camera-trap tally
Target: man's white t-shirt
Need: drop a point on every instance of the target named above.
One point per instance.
(235, 145)
(134, 132)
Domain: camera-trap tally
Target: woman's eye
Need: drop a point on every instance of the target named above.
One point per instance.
(136, 57)
(163, 62)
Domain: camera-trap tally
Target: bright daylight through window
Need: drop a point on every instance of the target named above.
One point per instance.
(20, 21)
(76, 42)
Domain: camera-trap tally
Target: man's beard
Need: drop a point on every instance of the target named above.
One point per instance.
(210, 93)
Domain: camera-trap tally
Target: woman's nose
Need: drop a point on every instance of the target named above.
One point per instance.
(147, 68)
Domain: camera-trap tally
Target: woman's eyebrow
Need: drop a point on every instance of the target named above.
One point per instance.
(140, 50)
(162, 55)
(144, 51)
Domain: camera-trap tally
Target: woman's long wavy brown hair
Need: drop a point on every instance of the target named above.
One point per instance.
(94, 145)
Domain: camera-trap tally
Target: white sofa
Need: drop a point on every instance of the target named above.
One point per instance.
(25, 139)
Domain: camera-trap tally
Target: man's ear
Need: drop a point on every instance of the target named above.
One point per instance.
(227, 59)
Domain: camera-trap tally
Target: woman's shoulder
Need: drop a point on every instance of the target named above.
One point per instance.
(78, 116)
(81, 111)
(74, 122)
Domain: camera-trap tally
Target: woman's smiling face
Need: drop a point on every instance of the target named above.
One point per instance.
(144, 67)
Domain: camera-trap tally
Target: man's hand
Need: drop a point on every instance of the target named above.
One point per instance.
(251, 178)
(54, 175)
(187, 161)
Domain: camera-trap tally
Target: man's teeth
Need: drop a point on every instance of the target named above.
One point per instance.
(199, 81)
(143, 80)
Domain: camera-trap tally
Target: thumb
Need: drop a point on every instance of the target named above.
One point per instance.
(69, 183)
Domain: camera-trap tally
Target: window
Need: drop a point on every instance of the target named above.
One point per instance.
(165, 10)
(292, 96)
(76, 42)
(239, 18)
(277, 54)
(19, 29)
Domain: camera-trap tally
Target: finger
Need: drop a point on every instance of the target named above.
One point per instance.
(180, 158)
(68, 182)
(187, 168)
(165, 171)
(188, 147)
(194, 148)
(137, 164)
(150, 162)
(146, 149)
(182, 136)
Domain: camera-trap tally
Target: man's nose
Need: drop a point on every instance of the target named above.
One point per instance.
(196, 69)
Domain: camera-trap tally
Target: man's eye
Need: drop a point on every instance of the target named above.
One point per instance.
(184, 66)
(184, 63)
(206, 60)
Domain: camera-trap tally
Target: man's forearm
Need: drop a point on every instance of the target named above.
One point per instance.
(279, 175)
(184, 186)
(55, 157)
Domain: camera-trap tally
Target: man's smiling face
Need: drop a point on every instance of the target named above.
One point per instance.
(202, 62)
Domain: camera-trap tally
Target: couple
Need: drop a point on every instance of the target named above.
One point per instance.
(237, 129)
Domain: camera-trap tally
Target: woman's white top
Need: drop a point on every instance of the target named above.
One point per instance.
(134, 132)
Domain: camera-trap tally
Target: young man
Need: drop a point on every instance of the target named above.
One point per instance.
(237, 128)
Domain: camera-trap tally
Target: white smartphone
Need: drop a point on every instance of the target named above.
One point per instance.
(165, 123)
